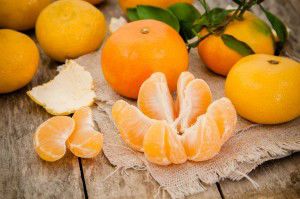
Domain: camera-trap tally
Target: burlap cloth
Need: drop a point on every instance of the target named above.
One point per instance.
(251, 146)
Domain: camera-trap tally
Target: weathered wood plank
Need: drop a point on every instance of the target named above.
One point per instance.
(129, 184)
(23, 173)
(276, 179)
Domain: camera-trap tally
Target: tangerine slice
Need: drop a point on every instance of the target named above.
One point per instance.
(51, 136)
(155, 99)
(162, 145)
(194, 96)
(202, 140)
(85, 141)
(224, 114)
(183, 80)
(131, 123)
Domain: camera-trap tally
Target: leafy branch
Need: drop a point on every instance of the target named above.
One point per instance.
(187, 20)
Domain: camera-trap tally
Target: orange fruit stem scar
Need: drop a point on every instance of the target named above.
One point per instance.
(168, 132)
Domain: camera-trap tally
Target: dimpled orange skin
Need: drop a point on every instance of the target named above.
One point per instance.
(159, 3)
(67, 29)
(265, 89)
(252, 30)
(21, 14)
(19, 59)
(136, 50)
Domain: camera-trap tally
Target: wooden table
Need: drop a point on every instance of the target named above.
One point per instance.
(24, 175)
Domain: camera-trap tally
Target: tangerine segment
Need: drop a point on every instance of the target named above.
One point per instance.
(194, 97)
(85, 142)
(51, 136)
(183, 80)
(155, 99)
(162, 145)
(202, 140)
(131, 123)
(224, 114)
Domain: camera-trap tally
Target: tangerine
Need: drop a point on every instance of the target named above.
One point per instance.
(265, 89)
(252, 30)
(21, 14)
(19, 59)
(136, 50)
(67, 29)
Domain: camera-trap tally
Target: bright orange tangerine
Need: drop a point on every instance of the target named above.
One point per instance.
(136, 50)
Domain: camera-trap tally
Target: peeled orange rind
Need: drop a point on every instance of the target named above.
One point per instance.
(85, 141)
(51, 136)
(168, 132)
(70, 90)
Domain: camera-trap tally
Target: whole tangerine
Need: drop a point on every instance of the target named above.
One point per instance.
(67, 29)
(138, 49)
(19, 60)
(21, 14)
(252, 30)
(265, 89)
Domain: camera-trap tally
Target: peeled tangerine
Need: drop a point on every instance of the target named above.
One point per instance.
(78, 133)
(168, 131)
(70, 90)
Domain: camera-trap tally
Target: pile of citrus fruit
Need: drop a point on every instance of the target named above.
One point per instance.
(65, 29)
(192, 128)
(148, 60)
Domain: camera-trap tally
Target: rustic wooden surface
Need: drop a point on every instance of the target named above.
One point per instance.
(24, 175)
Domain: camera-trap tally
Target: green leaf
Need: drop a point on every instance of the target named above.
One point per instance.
(217, 16)
(132, 14)
(185, 12)
(239, 46)
(213, 18)
(151, 12)
(186, 15)
(279, 28)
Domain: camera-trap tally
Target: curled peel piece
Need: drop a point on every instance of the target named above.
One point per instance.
(70, 90)
(131, 123)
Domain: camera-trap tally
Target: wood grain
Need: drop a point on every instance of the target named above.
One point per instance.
(23, 173)
(276, 179)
